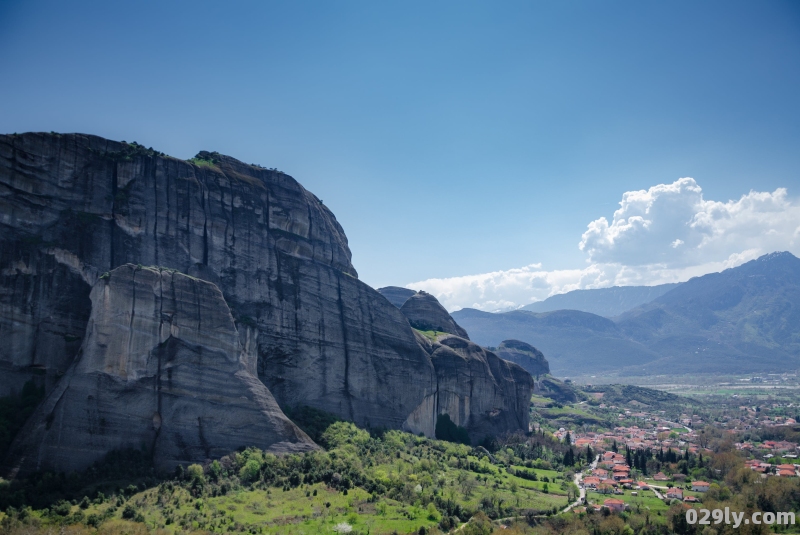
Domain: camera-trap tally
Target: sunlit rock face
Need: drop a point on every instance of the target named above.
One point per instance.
(478, 390)
(75, 206)
(161, 367)
(277, 299)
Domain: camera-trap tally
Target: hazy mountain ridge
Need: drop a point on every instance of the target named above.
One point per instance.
(607, 302)
(744, 319)
(572, 341)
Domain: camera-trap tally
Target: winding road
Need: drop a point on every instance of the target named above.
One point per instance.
(579, 483)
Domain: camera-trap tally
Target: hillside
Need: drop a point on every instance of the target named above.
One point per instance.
(745, 319)
(573, 342)
(606, 302)
(742, 320)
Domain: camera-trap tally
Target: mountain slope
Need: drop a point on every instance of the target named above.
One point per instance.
(747, 317)
(573, 341)
(742, 320)
(607, 302)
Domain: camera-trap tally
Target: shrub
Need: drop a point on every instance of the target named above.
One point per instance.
(129, 512)
(195, 473)
(250, 470)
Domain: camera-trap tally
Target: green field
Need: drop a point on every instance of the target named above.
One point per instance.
(645, 500)
(387, 483)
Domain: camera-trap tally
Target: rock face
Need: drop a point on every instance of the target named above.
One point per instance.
(527, 356)
(424, 312)
(478, 390)
(396, 295)
(73, 207)
(552, 388)
(162, 366)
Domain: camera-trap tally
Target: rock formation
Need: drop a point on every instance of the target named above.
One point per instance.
(396, 295)
(424, 312)
(73, 207)
(477, 389)
(527, 356)
(560, 391)
(161, 366)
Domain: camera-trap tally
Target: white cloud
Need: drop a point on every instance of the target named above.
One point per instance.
(668, 233)
(673, 224)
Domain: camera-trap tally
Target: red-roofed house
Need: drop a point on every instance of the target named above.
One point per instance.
(614, 504)
(675, 492)
(700, 486)
(591, 482)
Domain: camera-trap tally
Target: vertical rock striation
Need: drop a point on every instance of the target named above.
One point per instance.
(478, 390)
(161, 367)
(73, 207)
(81, 205)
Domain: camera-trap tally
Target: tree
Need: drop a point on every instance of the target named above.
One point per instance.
(195, 473)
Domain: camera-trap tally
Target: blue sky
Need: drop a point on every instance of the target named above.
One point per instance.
(449, 138)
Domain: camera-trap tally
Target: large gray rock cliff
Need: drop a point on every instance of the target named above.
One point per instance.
(73, 207)
(396, 295)
(527, 356)
(424, 312)
(477, 389)
(162, 366)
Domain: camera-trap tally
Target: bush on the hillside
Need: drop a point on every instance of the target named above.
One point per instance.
(341, 433)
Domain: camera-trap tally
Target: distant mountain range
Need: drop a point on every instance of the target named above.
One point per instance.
(742, 320)
(607, 302)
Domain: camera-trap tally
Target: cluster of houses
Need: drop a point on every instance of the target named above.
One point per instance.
(781, 470)
(612, 475)
(657, 433)
(635, 437)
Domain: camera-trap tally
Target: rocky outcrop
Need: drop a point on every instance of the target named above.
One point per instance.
(77, 206)
(425, 313)
(478, 390)
(527, 356)
(396, 295)
(552, 388)
(162, 366)
(73, 207)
